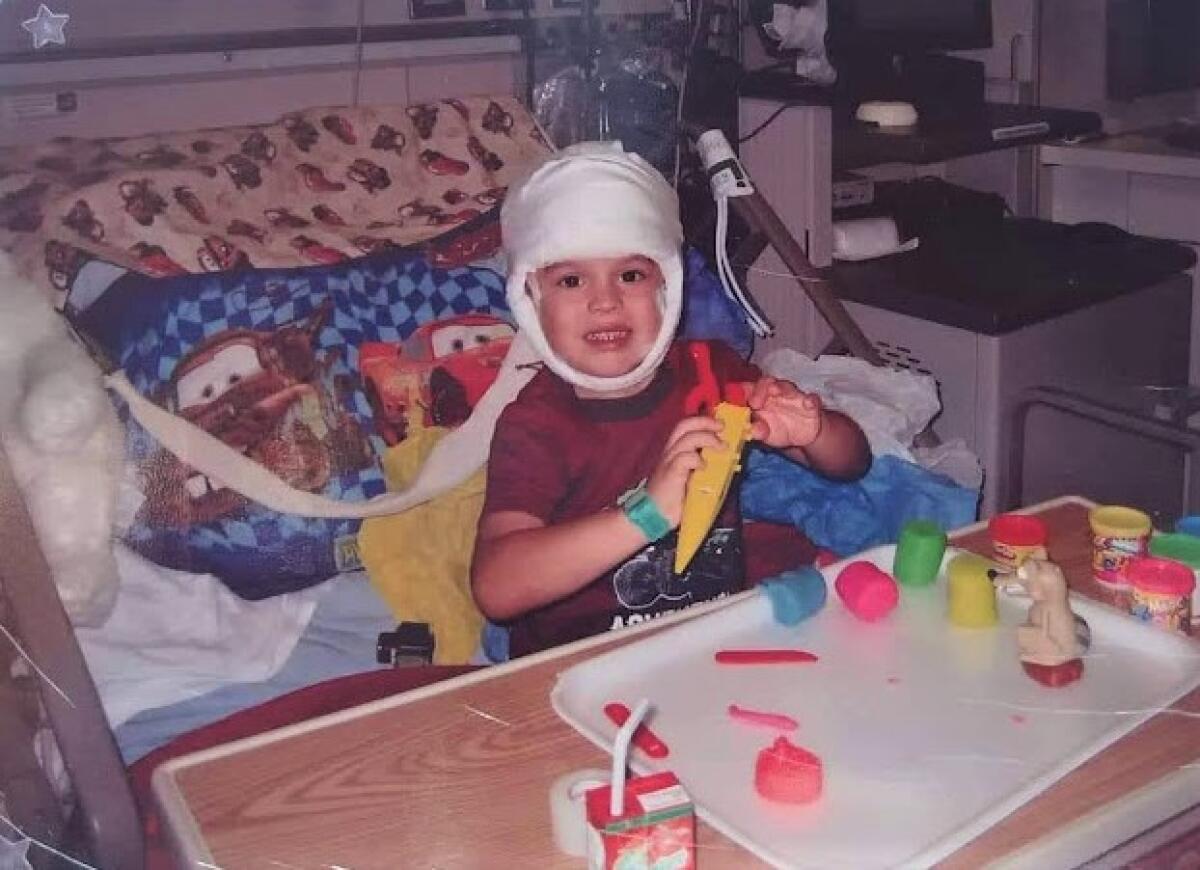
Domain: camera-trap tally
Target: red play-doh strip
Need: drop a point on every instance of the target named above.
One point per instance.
(759, 717)
(763, 656)
(643, 738)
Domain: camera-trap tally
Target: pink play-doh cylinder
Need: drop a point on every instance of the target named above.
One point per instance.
(1162, 592)
(1118, 535)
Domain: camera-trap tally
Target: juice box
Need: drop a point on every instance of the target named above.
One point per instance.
(657, 830)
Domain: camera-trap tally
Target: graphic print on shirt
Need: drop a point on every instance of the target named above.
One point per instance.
(647, 580)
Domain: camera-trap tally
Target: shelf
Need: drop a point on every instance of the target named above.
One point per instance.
(970, 131)
(856, 145)
(1026, 272)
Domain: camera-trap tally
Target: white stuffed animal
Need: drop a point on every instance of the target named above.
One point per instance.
(64, 443)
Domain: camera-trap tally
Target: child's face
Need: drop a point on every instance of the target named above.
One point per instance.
(601, 315)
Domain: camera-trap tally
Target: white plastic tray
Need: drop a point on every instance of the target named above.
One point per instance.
(929, 733)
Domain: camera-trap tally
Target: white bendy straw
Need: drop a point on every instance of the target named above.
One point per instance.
(616, 798)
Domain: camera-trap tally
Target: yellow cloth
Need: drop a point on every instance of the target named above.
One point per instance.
(419, 561)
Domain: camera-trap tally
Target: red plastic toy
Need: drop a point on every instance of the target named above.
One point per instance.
(704, 397)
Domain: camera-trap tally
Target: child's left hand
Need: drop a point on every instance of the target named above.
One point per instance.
(783, 415)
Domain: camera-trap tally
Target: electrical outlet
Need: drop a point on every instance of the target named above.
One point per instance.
(35, 107)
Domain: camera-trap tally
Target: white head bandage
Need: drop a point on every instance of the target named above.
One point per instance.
(592, 200)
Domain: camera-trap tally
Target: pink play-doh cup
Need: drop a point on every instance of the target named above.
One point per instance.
(1162, 592)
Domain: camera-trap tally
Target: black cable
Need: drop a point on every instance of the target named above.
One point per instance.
(530, 46)
(766, 123)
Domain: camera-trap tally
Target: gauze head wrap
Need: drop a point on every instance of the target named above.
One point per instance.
(592, 200)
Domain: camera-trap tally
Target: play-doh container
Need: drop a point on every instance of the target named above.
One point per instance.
(1118, 534)
(1184, 548)
(1015, 538)
(1161, 592)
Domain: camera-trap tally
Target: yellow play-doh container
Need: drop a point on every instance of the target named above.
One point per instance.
(1118, 535)
(970, 595)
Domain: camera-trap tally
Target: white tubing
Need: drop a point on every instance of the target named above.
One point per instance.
(759, 324)
(620, 757)
(727, 177)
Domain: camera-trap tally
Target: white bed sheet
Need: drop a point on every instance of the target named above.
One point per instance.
(175, 635)
(338, 641)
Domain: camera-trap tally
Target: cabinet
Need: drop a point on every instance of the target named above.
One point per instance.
(1139, 336)
(1134, 181)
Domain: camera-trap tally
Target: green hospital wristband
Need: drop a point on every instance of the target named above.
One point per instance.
(644, 513)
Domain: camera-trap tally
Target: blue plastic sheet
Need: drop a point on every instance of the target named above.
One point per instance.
(708, 312)
(850, 517)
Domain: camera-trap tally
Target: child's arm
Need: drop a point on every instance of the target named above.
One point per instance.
(521, 563)
(795, 422)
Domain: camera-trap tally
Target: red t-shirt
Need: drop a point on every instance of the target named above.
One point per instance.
(556, 457)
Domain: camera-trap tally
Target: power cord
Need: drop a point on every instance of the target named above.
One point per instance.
(530, 51)
(765, 124)
(356, 84)
(698, 24)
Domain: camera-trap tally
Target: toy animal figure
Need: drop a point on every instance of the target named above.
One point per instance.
(1049, 636)
(64, 444)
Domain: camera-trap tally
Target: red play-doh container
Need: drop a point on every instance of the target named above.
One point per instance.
(1162, 592)
(1017, 537)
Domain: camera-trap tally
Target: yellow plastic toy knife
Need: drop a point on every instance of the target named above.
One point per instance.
(709, 484)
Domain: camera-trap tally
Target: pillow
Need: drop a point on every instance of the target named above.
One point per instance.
(269, 362)
(314, 372)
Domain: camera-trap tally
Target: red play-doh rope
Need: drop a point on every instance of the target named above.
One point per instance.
(763, 656)
(759, 717)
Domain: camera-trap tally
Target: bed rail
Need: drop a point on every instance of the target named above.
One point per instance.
(108, 815)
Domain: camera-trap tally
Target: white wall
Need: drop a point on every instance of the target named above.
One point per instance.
(96, 22)
(128, 96)
(1072, 69)
(1012, 55)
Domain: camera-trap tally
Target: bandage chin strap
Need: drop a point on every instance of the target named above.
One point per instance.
(454, 459)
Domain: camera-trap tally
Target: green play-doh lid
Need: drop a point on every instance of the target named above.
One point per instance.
(1181, 548)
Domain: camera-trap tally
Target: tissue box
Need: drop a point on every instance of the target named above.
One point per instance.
(657, 828)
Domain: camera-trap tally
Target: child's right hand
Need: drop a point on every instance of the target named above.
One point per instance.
(668, 483)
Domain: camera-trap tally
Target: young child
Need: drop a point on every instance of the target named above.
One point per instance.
(589, 464)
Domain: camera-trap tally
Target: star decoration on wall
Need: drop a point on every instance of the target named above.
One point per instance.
(47, 27)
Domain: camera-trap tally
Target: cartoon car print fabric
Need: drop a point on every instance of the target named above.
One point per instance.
(316, 187)
(284, 366)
